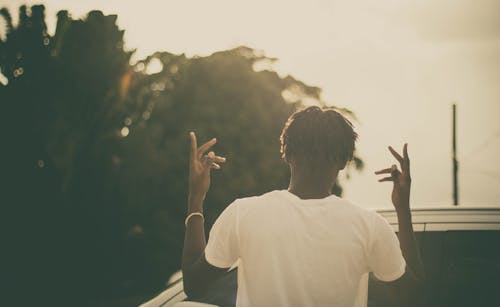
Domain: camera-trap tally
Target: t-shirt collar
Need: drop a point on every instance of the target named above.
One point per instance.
(295, 198)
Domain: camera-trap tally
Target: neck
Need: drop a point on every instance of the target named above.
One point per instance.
(307, 183)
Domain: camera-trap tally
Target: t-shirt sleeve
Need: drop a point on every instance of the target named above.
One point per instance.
(385, 259)
(222, 249)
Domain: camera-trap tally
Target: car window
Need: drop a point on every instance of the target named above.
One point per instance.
(433, 258)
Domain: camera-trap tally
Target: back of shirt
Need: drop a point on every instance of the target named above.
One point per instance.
(295, 252)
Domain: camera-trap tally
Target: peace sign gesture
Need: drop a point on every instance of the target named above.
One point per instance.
(200, 166)
(401, 179)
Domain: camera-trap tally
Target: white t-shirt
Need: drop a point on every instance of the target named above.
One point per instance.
(295, 252)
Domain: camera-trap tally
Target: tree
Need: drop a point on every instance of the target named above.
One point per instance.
(62, 103)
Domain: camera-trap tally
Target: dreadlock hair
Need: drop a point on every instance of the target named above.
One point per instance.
(318, 136)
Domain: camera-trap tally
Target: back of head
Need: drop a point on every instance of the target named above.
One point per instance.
(319, 137)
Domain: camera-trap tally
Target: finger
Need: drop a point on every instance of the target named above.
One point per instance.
(219, 159)
(215, 158)
(384, 171)
(394, 171)
(194, 146)
(398, 157)
(406, 158)
(405, 151)
(207, 162)
(395, 154)
(211, 155)
(203, 148)
(386, 179)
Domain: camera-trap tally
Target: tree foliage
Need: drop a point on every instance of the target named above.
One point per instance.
(97, 151)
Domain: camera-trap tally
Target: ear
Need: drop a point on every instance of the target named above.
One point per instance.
(286, 156)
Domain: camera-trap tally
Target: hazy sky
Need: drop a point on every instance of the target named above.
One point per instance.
(397, 64)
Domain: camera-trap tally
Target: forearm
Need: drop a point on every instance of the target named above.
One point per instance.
(408, 243)
(194, 238)
(196, 272)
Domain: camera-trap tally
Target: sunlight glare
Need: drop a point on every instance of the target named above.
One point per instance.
(124, 132)
(127, 121)
(3, 78)
(146, 115)
(154, 66)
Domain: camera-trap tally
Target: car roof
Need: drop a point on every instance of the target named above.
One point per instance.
(449, 218)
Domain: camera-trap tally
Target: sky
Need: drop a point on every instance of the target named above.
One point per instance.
(398, 64)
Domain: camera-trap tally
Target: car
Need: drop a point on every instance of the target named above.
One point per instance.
(460, 247)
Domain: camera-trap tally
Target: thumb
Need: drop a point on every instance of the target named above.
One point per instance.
(394, 171)
(207, 162)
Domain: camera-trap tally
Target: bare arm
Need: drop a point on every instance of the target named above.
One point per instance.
(408, 286)
(197, 272)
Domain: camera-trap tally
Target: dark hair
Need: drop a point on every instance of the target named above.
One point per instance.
(319, 136)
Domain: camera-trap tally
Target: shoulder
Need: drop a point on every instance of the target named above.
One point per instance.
(368, 218)
(257, 200)
(258, 205)
(366, 213)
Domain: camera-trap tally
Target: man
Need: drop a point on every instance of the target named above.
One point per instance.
(303, 246)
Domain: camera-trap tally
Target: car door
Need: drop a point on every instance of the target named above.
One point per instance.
(470, 274)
